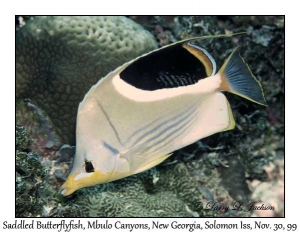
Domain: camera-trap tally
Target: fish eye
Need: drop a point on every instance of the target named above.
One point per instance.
(89, 166)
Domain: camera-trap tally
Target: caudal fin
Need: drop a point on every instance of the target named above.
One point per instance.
(237, 78)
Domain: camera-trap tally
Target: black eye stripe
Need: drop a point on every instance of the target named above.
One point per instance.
(89, 167)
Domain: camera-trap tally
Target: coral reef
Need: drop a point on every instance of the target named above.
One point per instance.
(44, 139)
(31, 191)
(59, 58)
(245, 164)
(270, 192)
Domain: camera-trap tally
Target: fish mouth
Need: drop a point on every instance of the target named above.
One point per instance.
(63, 191)
(66, 191)
(69, 186)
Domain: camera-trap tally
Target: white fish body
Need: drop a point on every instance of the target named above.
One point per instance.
(123, 129)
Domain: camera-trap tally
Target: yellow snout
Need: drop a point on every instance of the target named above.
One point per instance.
(82, 180)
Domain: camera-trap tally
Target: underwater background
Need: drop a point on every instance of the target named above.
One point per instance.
(59, 58)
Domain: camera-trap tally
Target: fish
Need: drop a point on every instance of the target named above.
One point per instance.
(139, 114)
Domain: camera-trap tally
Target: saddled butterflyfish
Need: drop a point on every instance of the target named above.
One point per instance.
(135, 117)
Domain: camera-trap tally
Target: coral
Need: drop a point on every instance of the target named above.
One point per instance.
(44, 140)
(164, 37)
(30, 178)
(22, 140)
(58, 59)
(191, 26)
(270, 193)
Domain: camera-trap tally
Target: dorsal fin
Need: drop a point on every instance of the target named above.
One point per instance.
(179, 64)
(203, 56)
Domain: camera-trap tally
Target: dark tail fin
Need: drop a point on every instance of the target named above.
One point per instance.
(237, 78)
